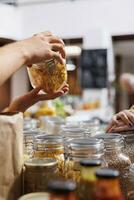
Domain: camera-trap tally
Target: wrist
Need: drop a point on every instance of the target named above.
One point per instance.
(24, 52)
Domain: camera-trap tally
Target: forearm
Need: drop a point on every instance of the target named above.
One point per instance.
(12, 57)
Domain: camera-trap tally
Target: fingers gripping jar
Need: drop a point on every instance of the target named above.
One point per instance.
(50, 146)
(80, 149)
(50, 75)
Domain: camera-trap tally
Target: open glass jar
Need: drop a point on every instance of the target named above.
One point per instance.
(51, 75)
(80, 149)
(50, 146)
(116, 158)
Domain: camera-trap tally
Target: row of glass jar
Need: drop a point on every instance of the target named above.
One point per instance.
(55, 125)
(93, 181)
(68, 152)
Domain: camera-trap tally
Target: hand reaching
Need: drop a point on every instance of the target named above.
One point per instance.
(123, 120)
(24, 102)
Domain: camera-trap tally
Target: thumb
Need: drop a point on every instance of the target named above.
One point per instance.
(36, 90)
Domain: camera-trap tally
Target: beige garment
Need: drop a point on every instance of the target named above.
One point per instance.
(11, 155)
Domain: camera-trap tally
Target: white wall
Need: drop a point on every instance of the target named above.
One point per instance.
(10, 22)
(80, 18)
(94, 20)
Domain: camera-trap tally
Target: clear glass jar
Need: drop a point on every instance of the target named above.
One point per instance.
(80, 149)
(37, 174)
(51, 125)
(55, 126)
(130, 184)
(51, 75)
(129, 145)
(28, 138)
(50, 146)
(30, 124)
(35, 196)
(116, 158)
(72, 133)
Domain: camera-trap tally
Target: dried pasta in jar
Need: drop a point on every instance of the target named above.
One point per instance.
(51, 75)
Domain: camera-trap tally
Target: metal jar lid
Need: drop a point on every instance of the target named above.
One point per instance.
(49, 141)
(112, 140)
(35, 196)
(92, 145)
(40, 163)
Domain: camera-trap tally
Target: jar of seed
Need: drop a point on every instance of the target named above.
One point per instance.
(37, 174)
(80, 149)
(116, 158)
(50, 146)
(129, 145)
(130, 184)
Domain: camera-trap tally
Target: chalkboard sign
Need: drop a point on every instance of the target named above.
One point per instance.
(94, 68)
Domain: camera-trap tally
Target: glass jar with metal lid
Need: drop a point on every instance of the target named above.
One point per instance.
(28, 138)
(37, 174)
(72, 133)
(129, 145)
(35, 196)
(91, 125)
(80, 149)
(30, 123)
(52, 124)
(130, 183)
(50, 146)
(115, 156)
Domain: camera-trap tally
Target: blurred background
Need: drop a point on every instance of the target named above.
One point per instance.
(99, 38)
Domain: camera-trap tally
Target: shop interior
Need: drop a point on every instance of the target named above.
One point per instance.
(99, 45)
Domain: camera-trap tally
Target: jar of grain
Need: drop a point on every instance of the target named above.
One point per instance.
(50, 75)
(115, 156)
(37, 174)
(82, 149)
(50, 146)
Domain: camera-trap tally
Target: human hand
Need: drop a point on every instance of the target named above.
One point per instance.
(24, 102)
(121, 121)
(41, 47)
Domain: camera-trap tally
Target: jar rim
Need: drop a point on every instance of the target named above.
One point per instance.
(86, 144)
(44, 162)
(112, 140)
(32, 132)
